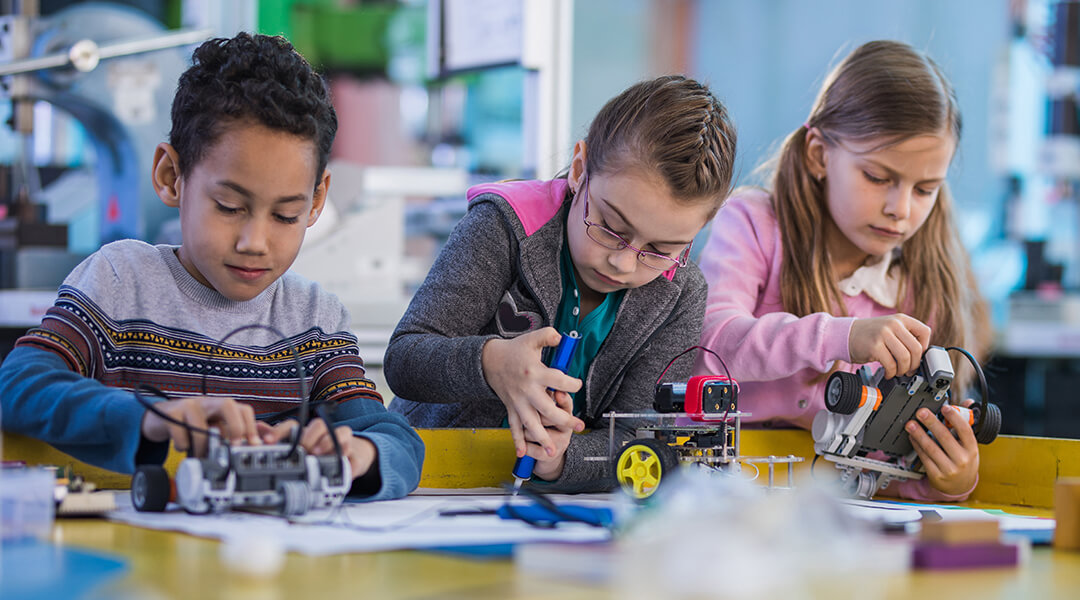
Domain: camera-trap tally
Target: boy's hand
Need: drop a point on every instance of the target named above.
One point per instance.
(515, 372)
(315, 439)
(951, 461)
(550, 467)
(234, 420)
(897, 341)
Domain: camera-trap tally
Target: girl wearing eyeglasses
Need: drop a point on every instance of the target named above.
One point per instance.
(599, 254)
(853, 257)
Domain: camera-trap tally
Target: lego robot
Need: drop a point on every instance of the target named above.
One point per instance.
(280, 478)
(862, 431)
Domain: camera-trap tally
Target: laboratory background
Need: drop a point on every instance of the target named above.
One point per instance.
(434, 96)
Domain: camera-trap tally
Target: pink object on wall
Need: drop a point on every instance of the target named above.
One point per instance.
(369, 123)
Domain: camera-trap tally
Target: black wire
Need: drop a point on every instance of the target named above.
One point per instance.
(438, 510)
(538, 523)
(188, 427)
(339, 517)
(545, 502)
(679, 355)
(731, 382)
(304, 397)
(277, 417)
(320, 411)
(983, 388)
(346, 521)
(300, 372)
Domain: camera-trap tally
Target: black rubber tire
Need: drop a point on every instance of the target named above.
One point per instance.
(989, 425)
(669, 462)
(150, 488)
(843, 392)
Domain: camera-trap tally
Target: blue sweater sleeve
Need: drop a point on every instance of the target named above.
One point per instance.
(41, 398)
(400, 449)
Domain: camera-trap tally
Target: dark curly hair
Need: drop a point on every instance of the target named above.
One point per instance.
(254, 78)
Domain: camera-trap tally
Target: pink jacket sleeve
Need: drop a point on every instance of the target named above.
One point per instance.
(744, 319)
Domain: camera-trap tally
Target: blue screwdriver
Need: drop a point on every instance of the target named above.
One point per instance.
(560, 359)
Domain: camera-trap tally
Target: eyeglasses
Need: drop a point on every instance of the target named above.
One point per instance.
(613, 241)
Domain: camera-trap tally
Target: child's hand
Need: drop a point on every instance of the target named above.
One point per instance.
(550, 468)
(234, 420)
(315, 439)
(897, 341)
(515, 372)
(951, 462)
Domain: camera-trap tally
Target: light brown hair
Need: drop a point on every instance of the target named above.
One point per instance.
(672, 126)
(884, 92)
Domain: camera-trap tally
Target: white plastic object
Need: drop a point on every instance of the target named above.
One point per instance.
(253, 555)
(27, 504)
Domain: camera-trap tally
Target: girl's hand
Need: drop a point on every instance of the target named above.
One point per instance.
(897, 341)
(951, 461)
(515, 372)
(315, 439)
(550, 468)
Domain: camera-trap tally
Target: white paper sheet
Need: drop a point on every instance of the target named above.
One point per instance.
(899, 512)
(868, 510)
(413, 522)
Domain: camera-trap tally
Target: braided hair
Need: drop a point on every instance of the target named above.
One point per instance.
(672, 126)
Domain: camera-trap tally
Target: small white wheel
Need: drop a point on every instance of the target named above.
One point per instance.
(295, 497)
(190, 485)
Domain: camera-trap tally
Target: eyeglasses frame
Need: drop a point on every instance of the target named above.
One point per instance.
(681, 261)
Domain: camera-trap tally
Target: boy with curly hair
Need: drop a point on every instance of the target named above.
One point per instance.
(252, 126)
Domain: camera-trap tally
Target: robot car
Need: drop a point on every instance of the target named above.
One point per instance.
(281, 478)
(696, 422)
(862, 428)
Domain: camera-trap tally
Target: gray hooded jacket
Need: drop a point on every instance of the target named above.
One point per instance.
(473, 293)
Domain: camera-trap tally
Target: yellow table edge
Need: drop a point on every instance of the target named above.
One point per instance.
(1013, 471)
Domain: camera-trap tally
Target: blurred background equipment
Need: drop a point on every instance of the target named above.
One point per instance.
(436, 95)
(364, 220)
(110, 69)
(1039, 342)
(86, 93)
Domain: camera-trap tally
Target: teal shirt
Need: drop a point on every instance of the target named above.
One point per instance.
(592, 330)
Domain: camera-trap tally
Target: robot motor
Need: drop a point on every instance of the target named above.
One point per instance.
(703, 397)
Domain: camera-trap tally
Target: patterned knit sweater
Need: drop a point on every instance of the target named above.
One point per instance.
(131, 314)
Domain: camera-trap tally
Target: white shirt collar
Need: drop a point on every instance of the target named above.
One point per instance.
(874, 279)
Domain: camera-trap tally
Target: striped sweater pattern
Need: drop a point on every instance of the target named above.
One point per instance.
(128, 353)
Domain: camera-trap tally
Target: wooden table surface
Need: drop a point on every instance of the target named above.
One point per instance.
(170, 565)
(176, 566)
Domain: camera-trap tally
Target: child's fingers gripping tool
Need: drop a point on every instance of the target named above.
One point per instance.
(560, 359)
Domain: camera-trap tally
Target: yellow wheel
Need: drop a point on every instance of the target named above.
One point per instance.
(642, 464)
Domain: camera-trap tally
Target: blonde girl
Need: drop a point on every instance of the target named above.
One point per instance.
(852, 257)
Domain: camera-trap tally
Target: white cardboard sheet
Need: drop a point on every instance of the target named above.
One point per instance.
(904, 511)
(414, 522)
